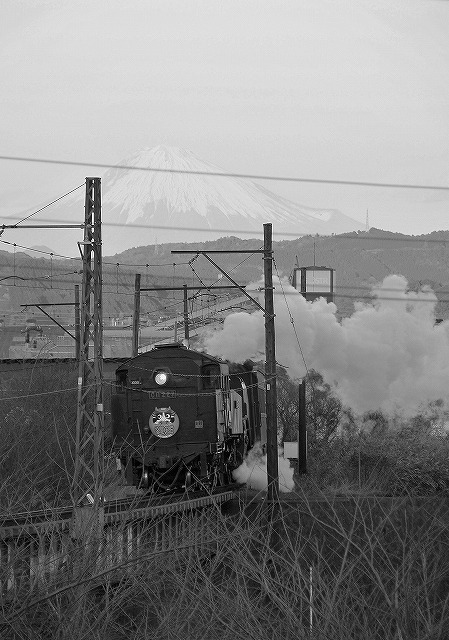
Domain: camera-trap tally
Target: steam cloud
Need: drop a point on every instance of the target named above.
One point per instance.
(253, 471)
(387, 356)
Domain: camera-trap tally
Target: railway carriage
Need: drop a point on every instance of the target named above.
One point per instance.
(182, 418)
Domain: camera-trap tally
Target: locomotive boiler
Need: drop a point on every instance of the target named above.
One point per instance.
(184, 419)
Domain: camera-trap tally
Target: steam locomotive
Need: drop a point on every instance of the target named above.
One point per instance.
(182, 419)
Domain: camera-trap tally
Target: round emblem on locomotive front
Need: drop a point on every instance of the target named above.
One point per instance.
(164, 422)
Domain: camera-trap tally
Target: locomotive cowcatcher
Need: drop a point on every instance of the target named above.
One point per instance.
(184, 419)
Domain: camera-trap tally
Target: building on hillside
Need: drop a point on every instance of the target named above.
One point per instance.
(314, 282)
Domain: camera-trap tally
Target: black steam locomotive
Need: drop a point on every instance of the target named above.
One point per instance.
(183, 419)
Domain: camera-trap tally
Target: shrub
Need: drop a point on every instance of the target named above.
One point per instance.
(397, 463)
(38, 414)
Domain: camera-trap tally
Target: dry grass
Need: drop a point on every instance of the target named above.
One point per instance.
(390, 464)
(380, 570)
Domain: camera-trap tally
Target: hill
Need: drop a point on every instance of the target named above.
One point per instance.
(360, 259)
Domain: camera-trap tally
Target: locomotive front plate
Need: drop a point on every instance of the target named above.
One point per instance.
(164, 422)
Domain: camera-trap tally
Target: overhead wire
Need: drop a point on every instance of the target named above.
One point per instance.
(369, 295)
(291, 317)
(40, 267)
(235, 266)
(179, 302)
(207, 286)
(113, 384)
(79, 259)
(130, 283)
(51, 277)
(42, 393)
(297, 235)
(292, 321)
(48, 253)
(226, 174)
(179, 394)
(298, 342)
(146, 265)
(373, 292)
(50, 203)
(195, 295)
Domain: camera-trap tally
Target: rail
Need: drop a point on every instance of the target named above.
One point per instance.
(37, 548)
(125, 509)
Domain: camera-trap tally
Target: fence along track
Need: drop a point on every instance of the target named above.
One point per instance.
(42, 555)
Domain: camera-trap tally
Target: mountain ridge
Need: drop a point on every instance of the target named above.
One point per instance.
(360, 261)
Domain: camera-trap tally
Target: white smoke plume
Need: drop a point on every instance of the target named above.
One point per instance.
(253, 471)
(387, 356)
(241, 337)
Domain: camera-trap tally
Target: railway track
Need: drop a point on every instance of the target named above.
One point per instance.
(119, 510)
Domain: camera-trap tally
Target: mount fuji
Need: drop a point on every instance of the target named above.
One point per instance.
(150, 207)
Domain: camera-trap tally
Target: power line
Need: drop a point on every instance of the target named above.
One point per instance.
(48, 253)
(348, 235)
(122, 264)
(219, 174)
(59, 275)
(369, 289)
(369, 294)
(364, 289)
(146, 265)
(50, 203)
(120, 225)
(291, 319)
(43, 393)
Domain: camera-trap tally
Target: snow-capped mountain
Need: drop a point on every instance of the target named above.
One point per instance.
(146, 207)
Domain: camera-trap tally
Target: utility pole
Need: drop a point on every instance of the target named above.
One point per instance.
(270, 369)
(89, 446)
(186, 315)
(136, 316)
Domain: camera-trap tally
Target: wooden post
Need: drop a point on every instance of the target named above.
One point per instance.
(136, 316)
(302, 429)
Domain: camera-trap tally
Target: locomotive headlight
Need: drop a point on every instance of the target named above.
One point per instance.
(161, 378)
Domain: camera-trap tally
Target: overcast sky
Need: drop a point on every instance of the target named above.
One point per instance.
(339, 89)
